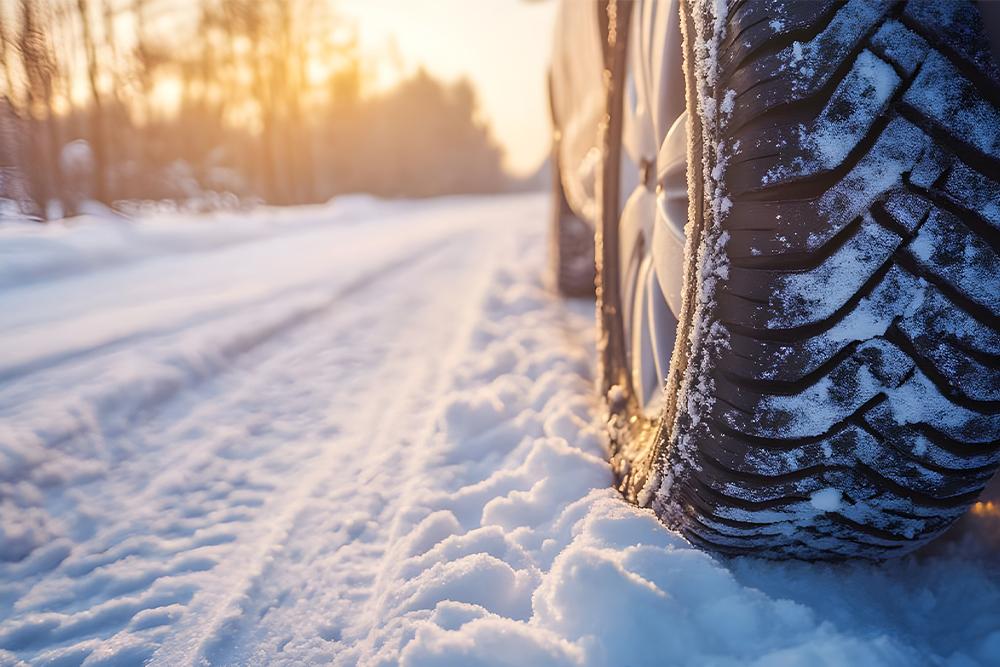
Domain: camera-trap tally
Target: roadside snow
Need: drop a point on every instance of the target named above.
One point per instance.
(30, 252)
(377, 444)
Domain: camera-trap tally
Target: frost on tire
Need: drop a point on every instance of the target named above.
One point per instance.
(839, 391)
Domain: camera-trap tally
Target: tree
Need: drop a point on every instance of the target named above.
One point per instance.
(270, 103)
(39, 157)
(98, 138)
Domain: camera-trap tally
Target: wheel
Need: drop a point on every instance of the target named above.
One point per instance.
(571, 247)
(834, 389)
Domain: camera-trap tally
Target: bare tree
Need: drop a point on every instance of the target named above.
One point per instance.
(97, 128)
(9, 180)
(6, 56)
(250, 116)
(40, 160)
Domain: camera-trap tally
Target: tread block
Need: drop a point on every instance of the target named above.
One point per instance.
(958, 27)
(943, 96)
(900, 46)
(798, 470)
(919, 401)
(791, 361)
(802, 69)
(875, 367)
(802, 226)
(933, 163)
(946, 248)
(880, 171)
(785, 300)
(956, 344)
(974, 192)
(785, 154)
(930, 445)
(758, 24)
(907, 209)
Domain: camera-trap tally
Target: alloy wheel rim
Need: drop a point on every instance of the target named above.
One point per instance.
(651, 245)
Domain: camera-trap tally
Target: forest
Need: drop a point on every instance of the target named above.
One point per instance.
(219, 103)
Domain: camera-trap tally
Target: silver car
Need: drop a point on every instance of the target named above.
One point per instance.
(793, 213)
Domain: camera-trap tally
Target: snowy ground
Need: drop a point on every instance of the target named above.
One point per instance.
(365, 434)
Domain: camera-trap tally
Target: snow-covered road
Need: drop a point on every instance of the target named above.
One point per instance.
(365, 434)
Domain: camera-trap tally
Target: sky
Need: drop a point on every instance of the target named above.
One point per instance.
(502, 46)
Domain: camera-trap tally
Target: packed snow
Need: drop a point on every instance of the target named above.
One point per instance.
(366, 434)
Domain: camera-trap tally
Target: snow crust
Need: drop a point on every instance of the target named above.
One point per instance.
(400, 476)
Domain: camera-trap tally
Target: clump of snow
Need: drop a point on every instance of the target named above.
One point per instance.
(826, 500)
(728, 102)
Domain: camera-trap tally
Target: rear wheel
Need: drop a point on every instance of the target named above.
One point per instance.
(572, 244)
(835, 386)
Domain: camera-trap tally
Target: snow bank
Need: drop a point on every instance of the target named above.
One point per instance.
(31, 252)
(511, 549)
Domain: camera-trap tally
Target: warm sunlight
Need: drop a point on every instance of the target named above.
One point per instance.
(502, 46)
(988, 508)
(389, 40)
(281, 100)
(500, 333)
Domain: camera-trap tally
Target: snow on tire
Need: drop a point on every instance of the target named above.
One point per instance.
(836, 388)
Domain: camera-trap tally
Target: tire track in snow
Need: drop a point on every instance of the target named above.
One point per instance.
(225, 623)
(392, 278)
(13, 366)
(186, 369)
(520, 384)
(340, 579)
(16, 371)
(173, 555)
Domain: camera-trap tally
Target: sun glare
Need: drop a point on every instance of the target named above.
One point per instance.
(501, 46)
(986, 509)
(167, 94)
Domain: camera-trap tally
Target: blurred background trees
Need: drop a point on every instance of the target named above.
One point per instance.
(215, 102)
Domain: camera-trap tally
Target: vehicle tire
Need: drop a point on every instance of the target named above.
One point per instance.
(571, 246)
(835, 387)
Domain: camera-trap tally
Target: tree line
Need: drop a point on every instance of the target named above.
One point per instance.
(263, 100)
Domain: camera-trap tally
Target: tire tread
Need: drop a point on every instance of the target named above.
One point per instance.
(903, 418)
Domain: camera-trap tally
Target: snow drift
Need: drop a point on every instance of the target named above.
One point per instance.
(377, 444)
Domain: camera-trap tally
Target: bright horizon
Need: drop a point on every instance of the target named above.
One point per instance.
(504, 48)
